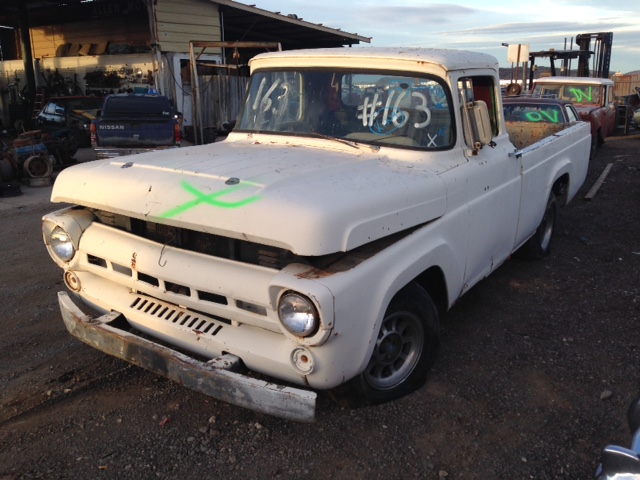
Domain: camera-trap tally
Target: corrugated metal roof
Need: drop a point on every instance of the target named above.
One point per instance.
(247, 22)
(241, 23)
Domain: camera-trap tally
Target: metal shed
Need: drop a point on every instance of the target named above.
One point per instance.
(143, 43)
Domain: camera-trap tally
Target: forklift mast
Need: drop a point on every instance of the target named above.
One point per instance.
(602, 51)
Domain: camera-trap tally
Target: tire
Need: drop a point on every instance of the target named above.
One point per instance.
(596, 142)
(405, 350)
(594, 148)
(38, 166)
(539, 245)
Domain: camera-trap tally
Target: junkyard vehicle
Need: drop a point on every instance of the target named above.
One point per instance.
(73, 113)
(31, 157)
(627, 105)
(620, 463)
(134, 123)
(360, 194)
(592, 97)
(530, 119)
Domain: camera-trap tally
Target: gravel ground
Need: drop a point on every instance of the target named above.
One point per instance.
(537, 367)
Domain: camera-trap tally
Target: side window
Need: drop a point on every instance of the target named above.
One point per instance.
(60, 109)
(572, 114)
(483, 88)
(610, 98)
(51, 108)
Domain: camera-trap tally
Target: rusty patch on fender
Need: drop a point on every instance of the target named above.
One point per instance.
(315, 273)
(346, 261)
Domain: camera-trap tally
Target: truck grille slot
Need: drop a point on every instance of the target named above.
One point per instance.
(177, 289)
(167, 313)
(100, 262)
(212, 297)
(116, 267)
(143, 277)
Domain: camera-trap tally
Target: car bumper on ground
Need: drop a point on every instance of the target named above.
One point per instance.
(111, 334)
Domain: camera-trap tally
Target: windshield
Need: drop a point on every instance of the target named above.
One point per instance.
(576, 94)
(368, 107)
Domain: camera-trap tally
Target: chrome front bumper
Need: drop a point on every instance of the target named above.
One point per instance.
(216, 378)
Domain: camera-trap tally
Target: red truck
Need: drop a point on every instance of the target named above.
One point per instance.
(592, 97)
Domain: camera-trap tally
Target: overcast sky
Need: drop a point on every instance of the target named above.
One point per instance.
(478, 25)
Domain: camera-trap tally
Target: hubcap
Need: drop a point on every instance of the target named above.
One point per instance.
(397, 350)
(548, 229)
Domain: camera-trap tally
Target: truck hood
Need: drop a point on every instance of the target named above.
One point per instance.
(585, 109)
(324, 198)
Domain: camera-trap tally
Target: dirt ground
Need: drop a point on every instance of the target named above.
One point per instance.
(538, 365)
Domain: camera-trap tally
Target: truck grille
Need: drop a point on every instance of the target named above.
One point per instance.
(215, 245)
(243, 250)
(200, 242)
(169, 313)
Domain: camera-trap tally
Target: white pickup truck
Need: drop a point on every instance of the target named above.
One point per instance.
(362, 192)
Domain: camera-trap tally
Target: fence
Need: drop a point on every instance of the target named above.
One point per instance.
(625, 84)
(220, 98)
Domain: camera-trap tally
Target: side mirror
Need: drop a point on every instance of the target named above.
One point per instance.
(477, 126)
(482, 123)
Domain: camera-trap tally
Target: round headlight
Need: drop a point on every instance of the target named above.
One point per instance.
(298, 314)
(61, 244)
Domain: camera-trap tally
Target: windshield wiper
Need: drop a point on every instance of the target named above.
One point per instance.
(336, 139)
(351, 143)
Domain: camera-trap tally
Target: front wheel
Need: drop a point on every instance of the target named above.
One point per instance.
(404, 351)
(539, 245)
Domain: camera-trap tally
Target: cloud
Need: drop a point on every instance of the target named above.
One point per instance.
(618, 5)
(474, 25)
(539, 27)
(428, 14)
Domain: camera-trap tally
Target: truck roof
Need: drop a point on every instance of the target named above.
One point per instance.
(574, 80)
(524, 100)
(447, 59)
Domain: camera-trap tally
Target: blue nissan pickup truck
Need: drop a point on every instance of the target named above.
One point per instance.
(134, 123)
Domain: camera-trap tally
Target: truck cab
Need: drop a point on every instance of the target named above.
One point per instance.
(593, 98)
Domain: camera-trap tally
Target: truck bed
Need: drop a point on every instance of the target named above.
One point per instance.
(524, 134)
